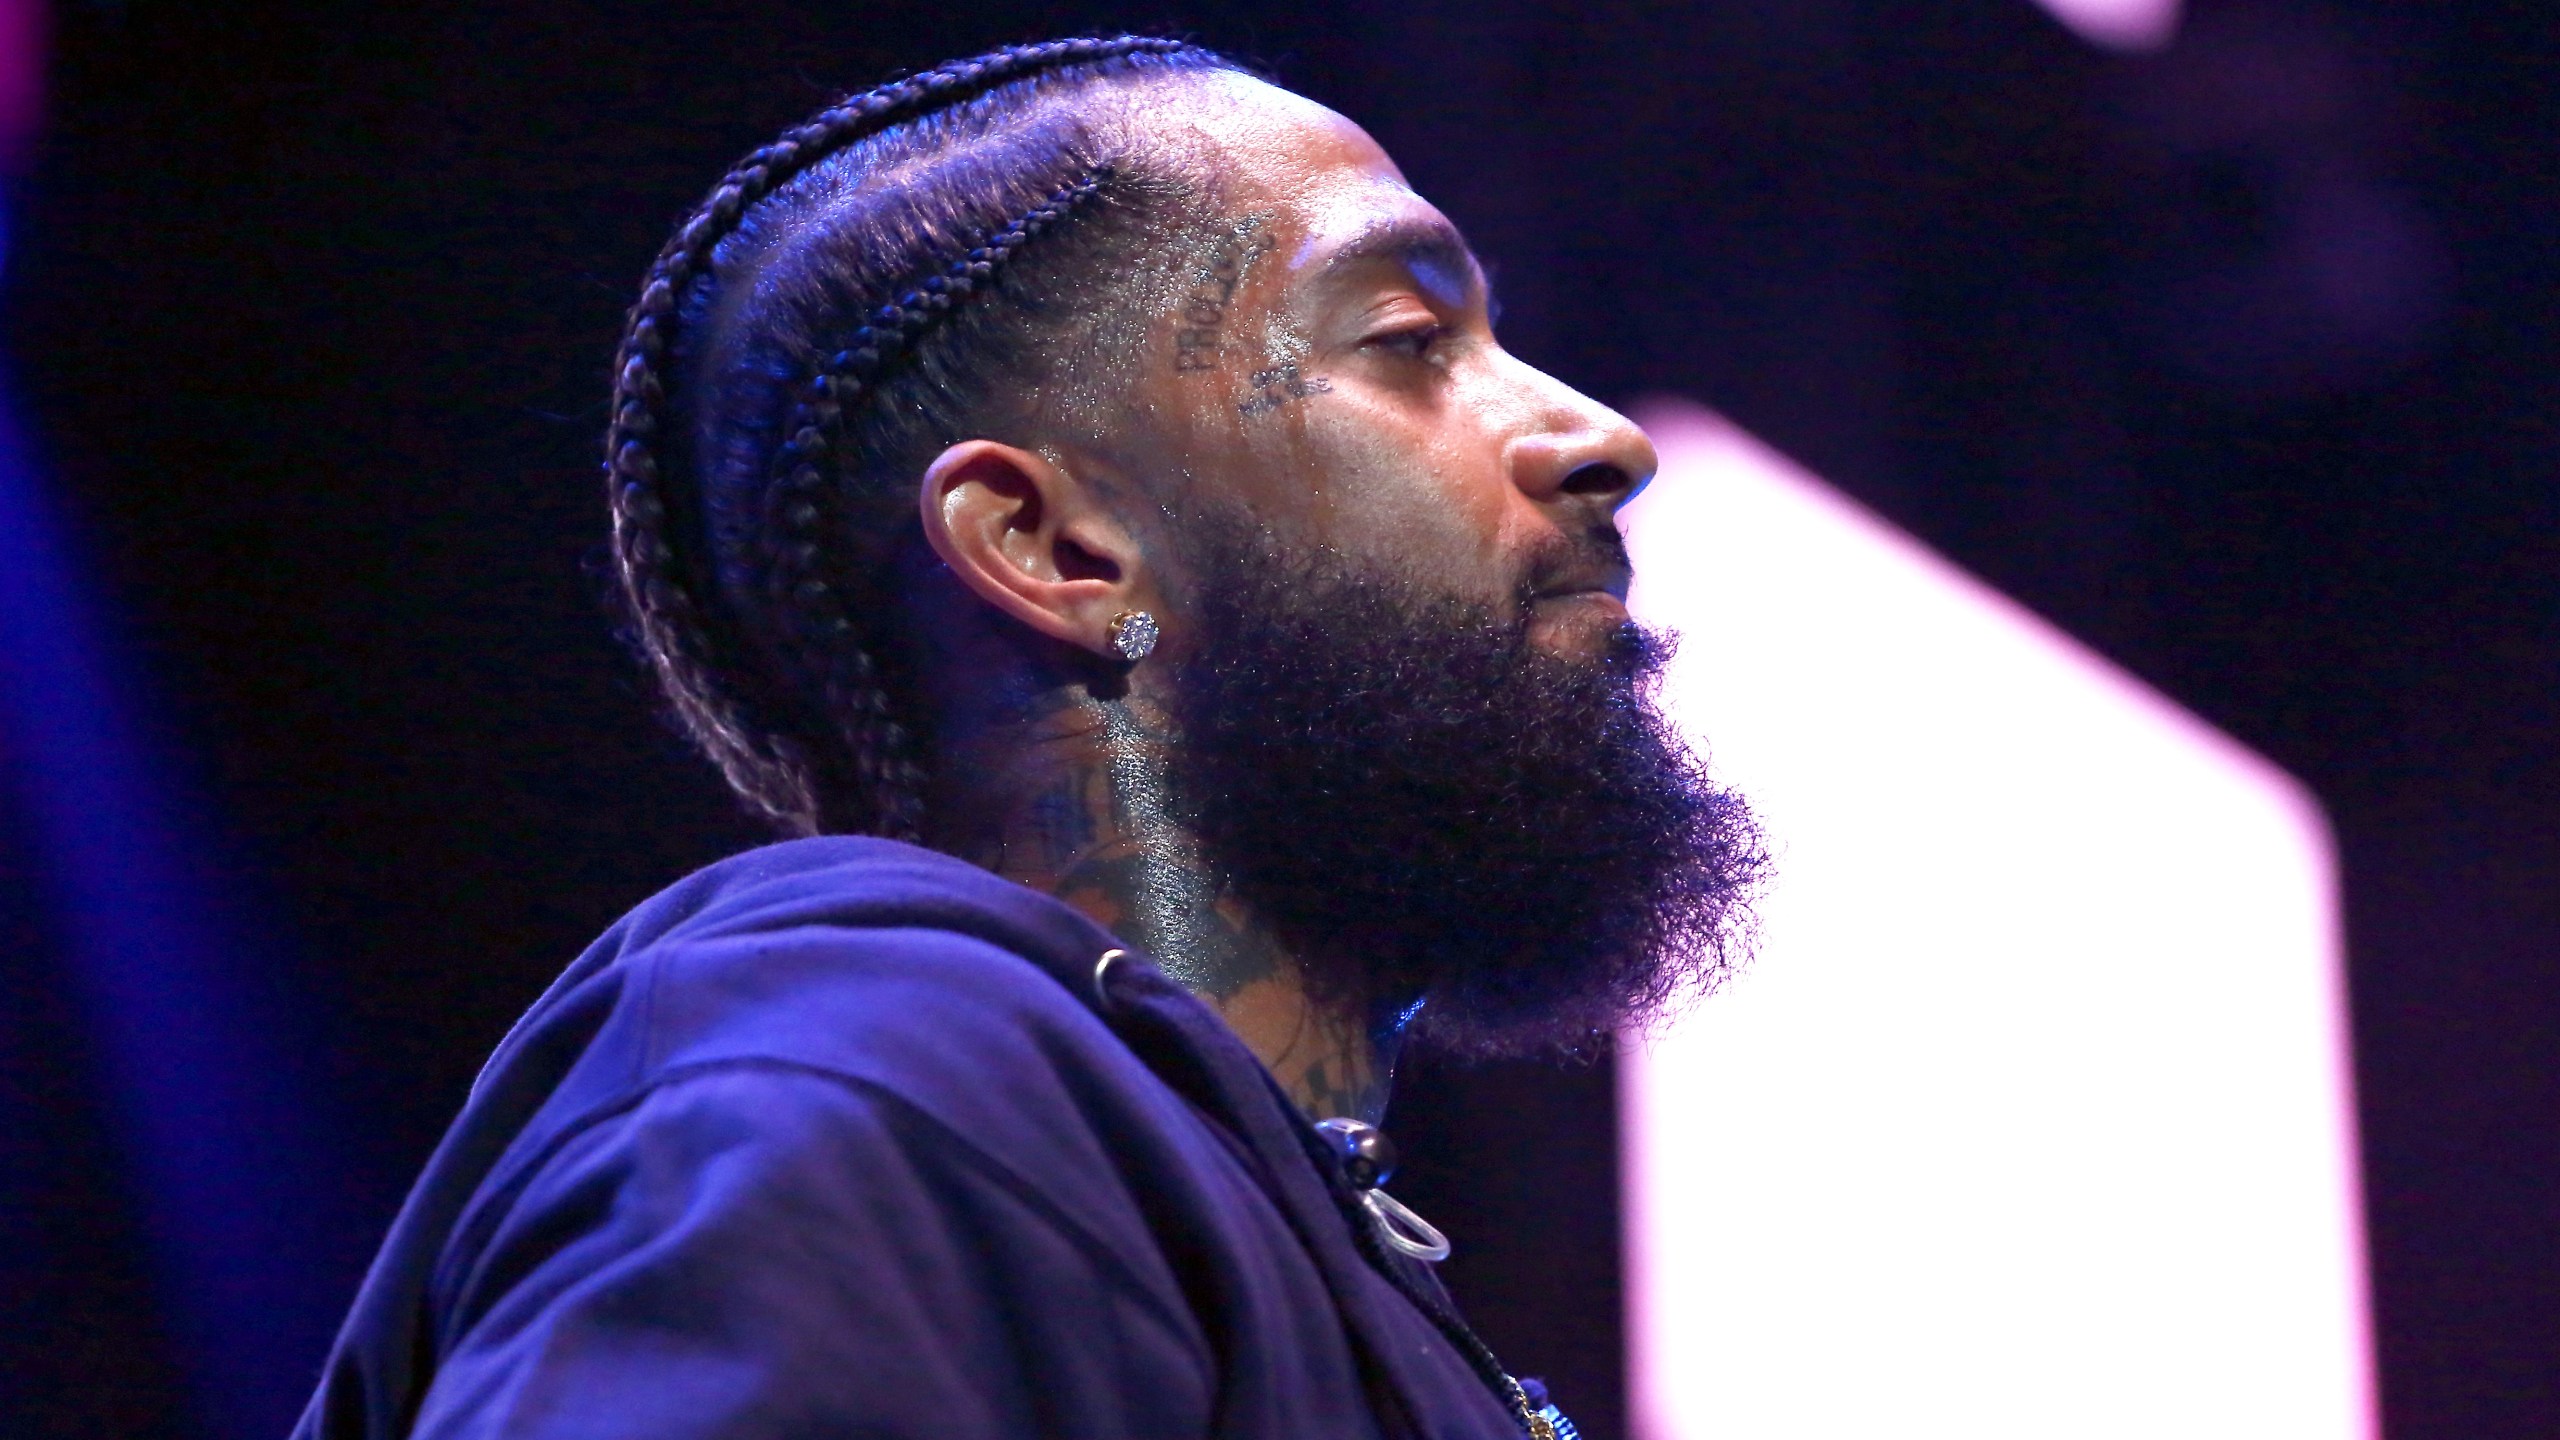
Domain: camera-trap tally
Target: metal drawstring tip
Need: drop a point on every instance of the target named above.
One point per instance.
(1406, 1231)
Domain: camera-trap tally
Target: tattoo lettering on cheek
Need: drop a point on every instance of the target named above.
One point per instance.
(1278, 386)
(1199, 336)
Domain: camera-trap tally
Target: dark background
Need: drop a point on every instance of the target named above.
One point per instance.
(2237, 360)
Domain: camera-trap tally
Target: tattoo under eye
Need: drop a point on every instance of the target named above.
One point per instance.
(1278, 386)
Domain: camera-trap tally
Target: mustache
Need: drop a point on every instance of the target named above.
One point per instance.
(1595, 559)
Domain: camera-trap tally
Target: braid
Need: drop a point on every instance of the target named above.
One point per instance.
(668, 578)
(800, 583)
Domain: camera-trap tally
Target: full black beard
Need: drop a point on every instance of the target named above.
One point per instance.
(1423, 805)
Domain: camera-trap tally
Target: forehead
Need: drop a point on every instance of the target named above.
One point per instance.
(1274, 152)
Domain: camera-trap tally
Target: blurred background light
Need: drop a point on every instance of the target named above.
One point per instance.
(2119, 24)
(2035, 1115)
(22, 27)
(185, 1035)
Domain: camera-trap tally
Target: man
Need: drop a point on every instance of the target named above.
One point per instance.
(1093, 469)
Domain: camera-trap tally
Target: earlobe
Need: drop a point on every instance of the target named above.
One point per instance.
(1027, 537)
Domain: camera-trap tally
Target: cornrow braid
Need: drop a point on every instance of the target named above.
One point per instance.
(696, 644)
(803, 586)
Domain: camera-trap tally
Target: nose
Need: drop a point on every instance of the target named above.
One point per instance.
(1586, 454)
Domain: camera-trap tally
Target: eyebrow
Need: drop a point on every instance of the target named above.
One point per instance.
(1419, 243)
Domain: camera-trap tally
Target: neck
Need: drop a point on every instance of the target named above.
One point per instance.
(1069, 798)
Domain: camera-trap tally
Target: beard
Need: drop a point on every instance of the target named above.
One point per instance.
(1423, 805)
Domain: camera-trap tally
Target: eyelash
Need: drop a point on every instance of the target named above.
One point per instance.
(1417, 341)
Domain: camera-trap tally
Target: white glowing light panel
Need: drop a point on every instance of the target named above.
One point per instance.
(2034, 1118)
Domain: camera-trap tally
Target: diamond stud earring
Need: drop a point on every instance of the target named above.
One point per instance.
(1133, 635)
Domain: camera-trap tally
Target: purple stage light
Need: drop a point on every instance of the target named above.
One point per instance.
(2136, 25)
(22, 37)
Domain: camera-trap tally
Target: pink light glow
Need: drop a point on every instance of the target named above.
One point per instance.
(2034, 1118)
(22, 42)
(2118, 24)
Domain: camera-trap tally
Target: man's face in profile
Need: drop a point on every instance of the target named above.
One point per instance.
(1326, 370)
(1413, 717)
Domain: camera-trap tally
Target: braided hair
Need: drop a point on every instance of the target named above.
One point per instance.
(875, 284)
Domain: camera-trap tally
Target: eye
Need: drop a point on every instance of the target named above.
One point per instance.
(1414, 340)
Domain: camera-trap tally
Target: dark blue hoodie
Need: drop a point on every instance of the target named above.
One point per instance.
(839, 1138)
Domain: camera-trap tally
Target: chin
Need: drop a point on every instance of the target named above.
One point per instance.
(1588, 626)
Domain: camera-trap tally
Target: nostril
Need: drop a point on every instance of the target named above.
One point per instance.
(1598, 480)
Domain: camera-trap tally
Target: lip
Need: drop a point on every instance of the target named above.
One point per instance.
(1608, 599)
(1609, 580)
(1587, 579)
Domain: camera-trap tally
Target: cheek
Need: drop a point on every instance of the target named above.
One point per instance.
(1326, 460)
(1407, 490)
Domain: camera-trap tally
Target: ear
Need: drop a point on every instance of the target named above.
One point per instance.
(1033, 541)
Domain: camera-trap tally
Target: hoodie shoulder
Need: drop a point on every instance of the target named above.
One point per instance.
(894, 968)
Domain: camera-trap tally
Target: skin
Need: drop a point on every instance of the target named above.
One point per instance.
(1326, 365)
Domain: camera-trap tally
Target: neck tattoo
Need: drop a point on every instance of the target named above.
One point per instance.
(1078, 809)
